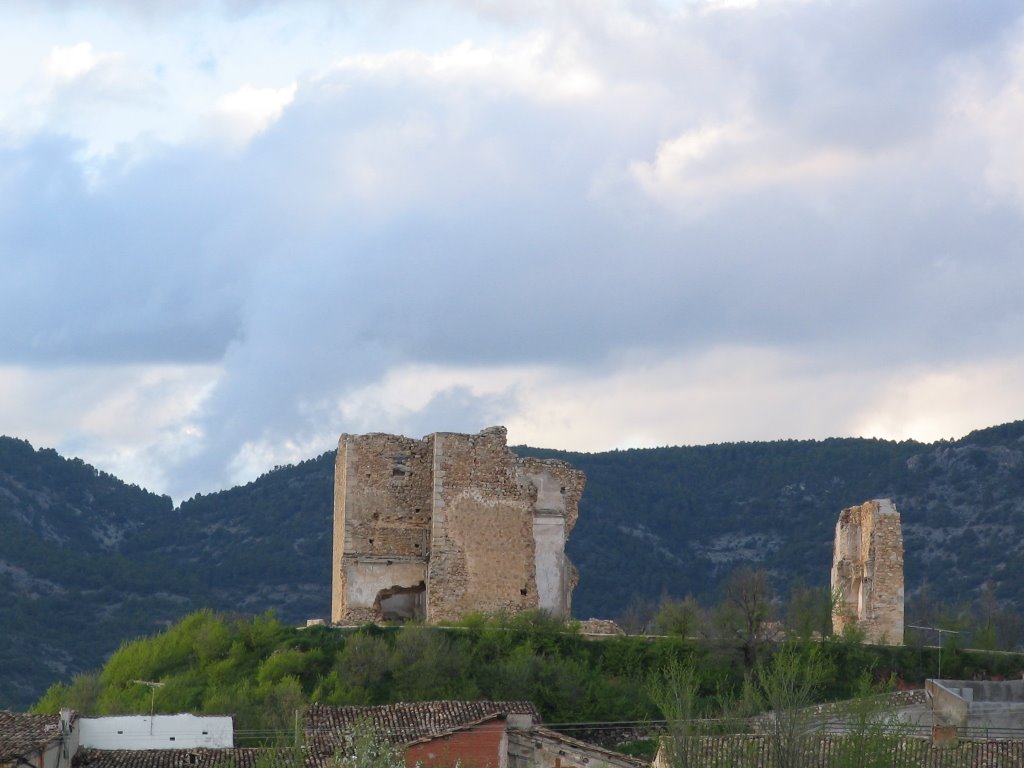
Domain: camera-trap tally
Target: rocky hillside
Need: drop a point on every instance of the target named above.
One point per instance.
(87, 561)
(676, 520)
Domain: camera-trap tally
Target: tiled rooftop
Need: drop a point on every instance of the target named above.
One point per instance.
(23, 734)
(326, 727)
(587, 746)
(237, 757)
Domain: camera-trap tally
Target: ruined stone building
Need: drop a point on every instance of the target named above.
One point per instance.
(867, 572)
(450, 524)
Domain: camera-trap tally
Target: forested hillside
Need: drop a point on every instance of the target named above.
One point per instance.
(677, 520)
(87, 560)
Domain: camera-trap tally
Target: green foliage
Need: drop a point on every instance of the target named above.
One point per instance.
(426, 663)
(262, 672)
(785, 686)
(678, 617)
(745, 609)
(809, 611)
(676, 689)
(81, 695)
(871, 729)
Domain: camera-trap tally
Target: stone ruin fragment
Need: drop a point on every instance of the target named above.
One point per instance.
(436, 528)
(867, 572)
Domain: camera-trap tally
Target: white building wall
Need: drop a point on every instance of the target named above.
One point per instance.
(157, 732)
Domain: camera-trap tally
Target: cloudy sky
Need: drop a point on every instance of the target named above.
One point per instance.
(231, 231)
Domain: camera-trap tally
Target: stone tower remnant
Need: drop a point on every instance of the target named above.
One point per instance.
(435, 528)
(867, 572)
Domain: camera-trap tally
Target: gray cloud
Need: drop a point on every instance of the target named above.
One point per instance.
(398, 216)
(138, 269)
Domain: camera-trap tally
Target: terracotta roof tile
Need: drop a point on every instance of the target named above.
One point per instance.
(24, 734)
(327, 727)
(236, 757)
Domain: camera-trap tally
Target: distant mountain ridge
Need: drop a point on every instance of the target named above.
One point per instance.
(87, 561)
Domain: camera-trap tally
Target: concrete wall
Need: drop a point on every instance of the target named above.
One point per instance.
(159, 732)
(978, 707)
(987, 690)
(946, 703)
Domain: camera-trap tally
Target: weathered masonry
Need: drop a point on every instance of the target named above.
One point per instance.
(867, 572)
(453, 523)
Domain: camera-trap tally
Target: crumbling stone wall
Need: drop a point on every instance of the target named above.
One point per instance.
(382, 489)
(453, 523)
(867, 572)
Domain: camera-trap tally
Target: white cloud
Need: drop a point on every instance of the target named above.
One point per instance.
(984, 112)
(945, 402)
(536, 66)
(720, 395)
(249, 110)
(416, 230)
(69, 63)
(697, 169)
(135, 421)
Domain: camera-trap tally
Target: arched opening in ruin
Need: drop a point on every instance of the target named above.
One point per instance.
(399, 603)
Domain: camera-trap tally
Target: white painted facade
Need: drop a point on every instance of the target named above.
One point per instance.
(156, 732)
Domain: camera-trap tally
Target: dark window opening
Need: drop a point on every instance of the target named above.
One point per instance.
(402, 603)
